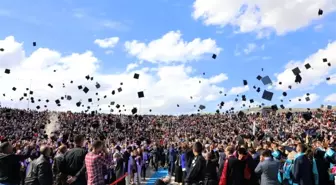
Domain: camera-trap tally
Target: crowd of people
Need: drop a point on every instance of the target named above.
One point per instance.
(210, 149)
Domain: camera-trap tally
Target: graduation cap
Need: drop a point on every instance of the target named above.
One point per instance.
(7, 71)
(329, 64)
(266, 80)
(121, 83)
(86, 90)
(274, 107)
(31, 92)
(54, 70)
(328, 78)
(222, 103)
(244, 98)
(87, 77)
(25, 94)
(299, 99)
(112, 103)
(201, 107)
(199, 81)
(251, 101)
(71, 81)
(236, 99)
(14, 88)
(2, 49)
(38, 107)
(136, 76)
(214, 56)
(34, 44)
(69, 98)
(307, 99)
(105, 96)
(50, 86)
(307, 66)
(307, 94)
(258, 89)
(259, 77)
(97, 85)
(117, 106)
(39, 100)
(203, 73)
(47, 101)
(119, 89)
(267, 95)
(254, 87)
(57, 101)
(134, 110)
(141, 94)
(245, 82)
(178, 105)
(307, 116)
(329, 107)
(284, 94)
(296, 71)
(91, 78)
(282, 106)
(280, 83)
(62, 98)
(298, 79)
(320, 12)
(113, 92)
(90, 100)
(281, 100)
(325, 60)
(290, 87)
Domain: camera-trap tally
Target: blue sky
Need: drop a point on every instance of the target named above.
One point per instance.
(69, 26)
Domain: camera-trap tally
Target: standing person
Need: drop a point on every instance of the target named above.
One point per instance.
(119, 168)
(9, 165)
(171, 159)
(95, 161)
(302, 169)
(196, 172)
(58, 177)
(178, 169)
(72, 165)
(210, 175)
(233, 170)
(268, 168)
(39, 172)
(145, 162)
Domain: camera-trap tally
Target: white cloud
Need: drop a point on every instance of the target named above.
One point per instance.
(131, 66)
(261, 16)
(318, 27)
(171, 48)
(238, 90)
(107, 42)
(250, 48)
(317, 74)
(330, 98)
(332, 80)
(295, 101)
(164, 86)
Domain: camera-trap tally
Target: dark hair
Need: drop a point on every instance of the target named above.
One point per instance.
(242, 151)
(97, 144)
(303, 147)
(79, 139)
(266, 153)
(198, 147)
(4, 146)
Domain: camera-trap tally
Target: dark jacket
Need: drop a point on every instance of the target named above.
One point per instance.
(10, 168)
(56, 169)
(302, 171)
(73, 164)
(210, 173)
(196, 172)
(39, 172)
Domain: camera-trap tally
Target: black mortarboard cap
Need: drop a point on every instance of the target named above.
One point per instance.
(282, 106)
(47, 101)
(2, 49)
(71, 81)
(296, 71)
(251, 101)
(329, 64)
(113, 92)
(307, 66)
(112, 103)
(24, 94)
(320, 12)
(280, 83)
(201, 107)
(97, 85)
(14, 88)
(245, 82)
(50, 86)
(299, 99)
(258, 89)
(178, 105)
(222, 103)
(214, 56)
(290, 87)
(62, 98)
(284, 94)
(136, 76)
(328, 78)
(91, 78)
(57, 101)
(69, 97)
(236, 99)
(329, 107)
(90, 100)
(274, 107)
(244, 98)
(105, 96)
(141, 94)
(307, 99)
(325, 60)
(96, 94)
(7, 71)
(38, 107)
(266, 80)
(259, 77)
(87, 77)
(86, 90)
(298, 79)
(203, 73)
(117, 106)
(134, 110)
(267, 95)
(39, 100)
(307, 94)
(254, 87)
(119, 89)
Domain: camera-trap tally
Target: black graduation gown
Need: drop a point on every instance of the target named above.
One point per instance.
(178, 170)
(119, 171)
(196, 172)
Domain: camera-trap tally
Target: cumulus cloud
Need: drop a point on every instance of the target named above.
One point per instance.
(164, 87)
(330, 98)
(171, 48)
(295, 101)
(261, 16)
(317, 74)
(131, 66)
(238, 90)
(107, 42)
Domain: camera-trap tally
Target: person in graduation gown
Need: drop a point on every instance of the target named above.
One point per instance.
(195, 175)
(302, 169)
(322, 167)
(178, 168)
(210, 174)
(119, 168)
(233, 170)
